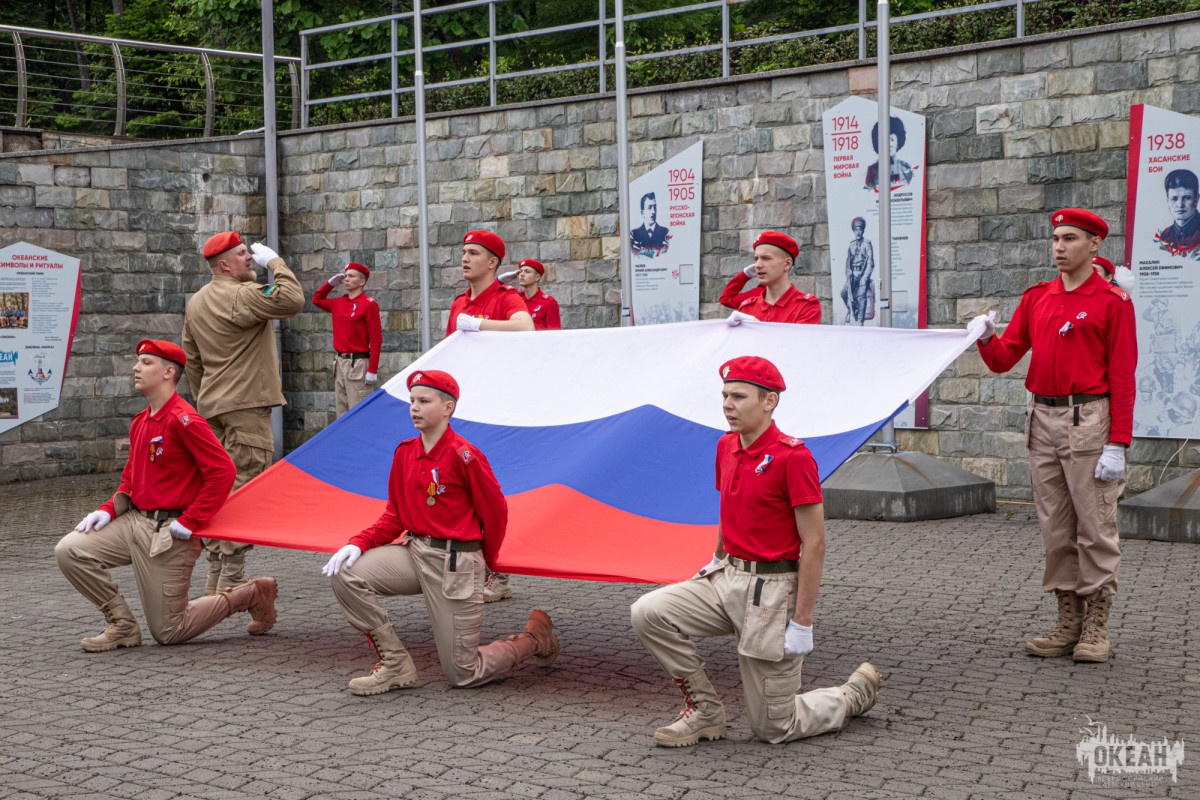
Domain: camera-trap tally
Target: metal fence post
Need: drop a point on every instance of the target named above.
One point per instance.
(294, 79)
(603, 45)
(725, 40)
(492, 53)
(862, 30)
(119, 66)
(426, 335)
(1020, 18)
(210, 92)
(395, 68)
(303, 80)
(23, 80)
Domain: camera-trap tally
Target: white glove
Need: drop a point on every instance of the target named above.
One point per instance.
(1111, 464)
(985, 323)
(94, 521)
(1124, 278)
(348, 554)
(262, 254)
(465, 322)
(749, 271)
(737, 318)
(178, 531)
(370, 377)
(797, 641)
(336, 280)
(709, 565)
(505, 277)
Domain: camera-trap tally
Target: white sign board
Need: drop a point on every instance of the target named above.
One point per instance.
(664, 240)
(1162, 247)
(39, 305)
(852, 186)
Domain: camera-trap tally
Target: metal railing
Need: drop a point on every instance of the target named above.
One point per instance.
(96, 77)
(601, 22)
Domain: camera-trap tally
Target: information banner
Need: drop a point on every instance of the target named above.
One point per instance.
(39, 306)
(852, 186)
(665, 240)
(1162, 247)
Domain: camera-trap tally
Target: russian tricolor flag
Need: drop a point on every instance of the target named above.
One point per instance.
(603, 439)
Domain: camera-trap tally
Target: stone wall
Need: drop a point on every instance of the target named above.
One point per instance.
(1014, 131)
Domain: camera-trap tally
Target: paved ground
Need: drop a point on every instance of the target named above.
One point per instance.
(942, 608)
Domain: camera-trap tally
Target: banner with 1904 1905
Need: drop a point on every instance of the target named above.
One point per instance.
(664, 241)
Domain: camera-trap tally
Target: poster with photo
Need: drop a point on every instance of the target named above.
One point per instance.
(1162, 247)
(852, 186)
(664, 240)
(39, 306)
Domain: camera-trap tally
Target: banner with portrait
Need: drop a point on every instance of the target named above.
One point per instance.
(39, 305)
(1162, 247)
(852, 185)
(664, 240)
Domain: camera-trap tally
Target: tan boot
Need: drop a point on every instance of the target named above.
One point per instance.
(214, 574)
(233, 572)
(1061, 640)
(257, 597)
(496, 588)
(395, 669)
(122, 631)
(703, 716)
(862, 689)
(1093, 642)
(537, 640)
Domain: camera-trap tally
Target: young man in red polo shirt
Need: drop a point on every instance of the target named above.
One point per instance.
(487, 305)
(1082, 331)
(542, 307)
(357, 335)
(445, 500)
(176, 478)
(775, 299)
(763, 590)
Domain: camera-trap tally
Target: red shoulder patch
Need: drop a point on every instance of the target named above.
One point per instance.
(790, 441)
(1119, 292)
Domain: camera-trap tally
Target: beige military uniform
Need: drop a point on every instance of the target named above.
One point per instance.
(233, 366)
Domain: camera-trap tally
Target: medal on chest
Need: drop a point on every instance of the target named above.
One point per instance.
(434, 488)
(155, 448)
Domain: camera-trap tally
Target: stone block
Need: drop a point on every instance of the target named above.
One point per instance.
(1046, 56)
(1138, 45)
(1122, 77)
(956, 69)
(37, 174)
(997, 118)
(1048, 169)
(864, 80)
(992, 63)
(1026, 143)
(952, 123)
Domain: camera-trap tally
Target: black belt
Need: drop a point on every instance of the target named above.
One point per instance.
(764, 567)
(354, 356)
(1068, 400)
(455, 545)
(160, 514)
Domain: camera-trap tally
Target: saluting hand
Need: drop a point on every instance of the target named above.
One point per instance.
(262, 254)
(505, 277)
(336, 280)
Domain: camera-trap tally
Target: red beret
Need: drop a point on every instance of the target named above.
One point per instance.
(1079, 218)
(529, 262)
(488, 239)
(220, 243)
(168, 350)
(1104, 263)
(434, 379)
(357, 266)
(781, 240)
(753, 369)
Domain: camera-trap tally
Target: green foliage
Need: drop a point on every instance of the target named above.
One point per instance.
(167, 92)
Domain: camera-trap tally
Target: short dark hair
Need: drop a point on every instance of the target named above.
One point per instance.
(897, 129)
(858, 222)
(1182, 179)
(645, 197)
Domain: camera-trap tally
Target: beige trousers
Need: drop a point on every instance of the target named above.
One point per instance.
(162, 580)
(1076, 512)
(348, 385)
(452, 586)
(247, 438)
(721, 603)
